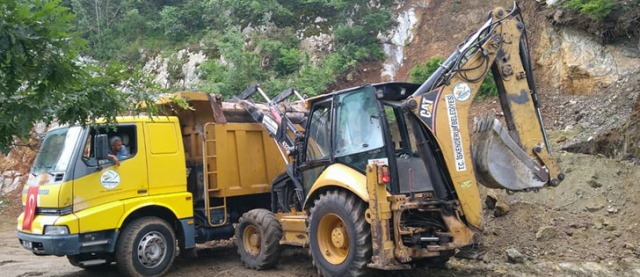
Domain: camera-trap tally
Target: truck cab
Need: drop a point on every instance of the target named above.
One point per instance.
(76, 203)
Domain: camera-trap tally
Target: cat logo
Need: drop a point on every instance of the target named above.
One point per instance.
(426, 107)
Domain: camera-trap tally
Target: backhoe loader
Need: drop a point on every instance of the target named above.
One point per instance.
(384, 176)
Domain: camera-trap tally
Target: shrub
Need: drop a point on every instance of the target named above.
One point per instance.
(421, 72)
(595, 9)
(288, 61)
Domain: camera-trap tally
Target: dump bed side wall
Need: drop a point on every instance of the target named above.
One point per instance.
(240, 157)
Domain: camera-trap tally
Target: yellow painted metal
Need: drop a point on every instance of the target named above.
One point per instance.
(455, 114)
(180, 204)
(462, 235)
(251, 240)
(134, 182)
(97, 208)
(247, 156)
(339, 175)
(112, 215)
(50, 194)
(520, 101)
(39, 222)
(294, 228)
(333, 238)
(378, 215)
(165, 157)
(102, 217)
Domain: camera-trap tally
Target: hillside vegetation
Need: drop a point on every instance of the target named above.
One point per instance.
(246, 41)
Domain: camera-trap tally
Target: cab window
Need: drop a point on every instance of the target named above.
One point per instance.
(122, 143)
(358, 127)
(319, 134)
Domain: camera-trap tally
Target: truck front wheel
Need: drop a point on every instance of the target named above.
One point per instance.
(146, 247)
(258, 238)
(339, 236)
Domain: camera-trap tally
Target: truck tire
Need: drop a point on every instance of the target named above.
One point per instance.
(146, 247)
(258, 238)
(339, 236)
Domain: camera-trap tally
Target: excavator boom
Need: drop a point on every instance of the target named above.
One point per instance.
(514, 157)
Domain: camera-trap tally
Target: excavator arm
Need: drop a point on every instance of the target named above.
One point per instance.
(516, 156)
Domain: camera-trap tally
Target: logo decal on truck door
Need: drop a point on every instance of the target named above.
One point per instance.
(110, 179)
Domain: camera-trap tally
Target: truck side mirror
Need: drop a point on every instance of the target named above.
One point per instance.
(101, 146)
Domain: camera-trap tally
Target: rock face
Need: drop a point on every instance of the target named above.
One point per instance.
(393, 46)
(177, 70)
(10, 180)
(317, 46)
(620, 142)
(577, 63)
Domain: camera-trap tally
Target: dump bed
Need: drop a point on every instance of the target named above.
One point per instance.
(224, 148)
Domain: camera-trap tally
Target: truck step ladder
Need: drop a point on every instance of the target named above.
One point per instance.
(210, 156)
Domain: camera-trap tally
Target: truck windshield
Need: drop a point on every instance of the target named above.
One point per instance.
(56, 150)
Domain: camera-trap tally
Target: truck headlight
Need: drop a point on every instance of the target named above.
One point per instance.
(56, 230)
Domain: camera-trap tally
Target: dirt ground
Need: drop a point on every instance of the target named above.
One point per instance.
(585, 227)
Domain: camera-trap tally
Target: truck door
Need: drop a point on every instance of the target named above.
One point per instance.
(165, 157)
(101, 184)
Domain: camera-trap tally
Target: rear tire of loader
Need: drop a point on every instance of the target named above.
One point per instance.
(146, 247)
(258, 238)
(339, 236)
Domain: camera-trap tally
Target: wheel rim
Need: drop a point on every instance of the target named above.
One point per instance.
(333, 239)
(152, 249)
(251, 240)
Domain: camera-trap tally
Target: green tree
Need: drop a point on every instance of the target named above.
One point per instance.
(288, 61)
(42, 79)
(421, 72)
(241, 68)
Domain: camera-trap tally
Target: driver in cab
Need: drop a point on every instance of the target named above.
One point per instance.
(118, 150)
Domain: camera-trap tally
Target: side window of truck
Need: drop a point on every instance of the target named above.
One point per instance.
(123, 138)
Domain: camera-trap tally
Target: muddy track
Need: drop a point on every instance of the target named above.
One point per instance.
(591, 216)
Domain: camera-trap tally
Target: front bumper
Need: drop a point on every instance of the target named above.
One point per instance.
(59, 245)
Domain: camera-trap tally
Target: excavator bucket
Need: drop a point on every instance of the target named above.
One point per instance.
(500, 162)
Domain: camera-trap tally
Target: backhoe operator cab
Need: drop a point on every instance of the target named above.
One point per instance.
(367, 129)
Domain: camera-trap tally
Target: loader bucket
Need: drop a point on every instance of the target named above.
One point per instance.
(500, 162)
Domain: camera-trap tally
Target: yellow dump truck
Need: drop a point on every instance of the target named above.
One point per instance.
(164, 186)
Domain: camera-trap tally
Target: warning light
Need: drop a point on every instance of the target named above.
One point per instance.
(383, 174)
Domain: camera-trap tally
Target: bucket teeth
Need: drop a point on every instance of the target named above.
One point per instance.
(483, 124)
